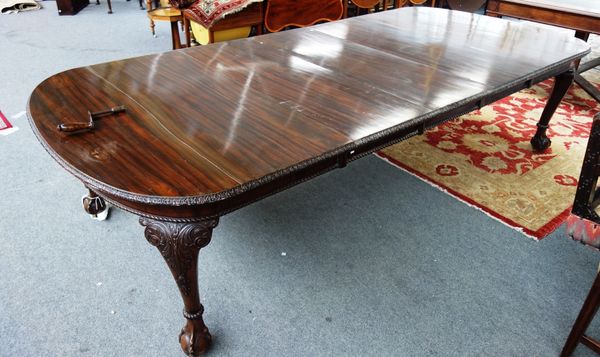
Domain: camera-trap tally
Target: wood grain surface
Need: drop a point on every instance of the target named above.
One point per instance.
(211, 128)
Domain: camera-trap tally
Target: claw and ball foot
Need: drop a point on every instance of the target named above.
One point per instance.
(540, 141)
(179, 244)
(194, 337)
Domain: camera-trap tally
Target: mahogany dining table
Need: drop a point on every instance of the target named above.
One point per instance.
(197, 133)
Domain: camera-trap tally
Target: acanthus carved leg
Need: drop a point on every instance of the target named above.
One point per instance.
(179, 244)
(95, 206)
(562, 82)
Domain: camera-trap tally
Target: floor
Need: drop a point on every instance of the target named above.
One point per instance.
(365, 261)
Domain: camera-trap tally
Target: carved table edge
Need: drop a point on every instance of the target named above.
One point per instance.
(429, 120)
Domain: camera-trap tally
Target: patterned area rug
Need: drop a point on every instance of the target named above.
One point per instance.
(207, 12)
(484, 158)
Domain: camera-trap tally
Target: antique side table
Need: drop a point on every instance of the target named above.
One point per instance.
(583, 16)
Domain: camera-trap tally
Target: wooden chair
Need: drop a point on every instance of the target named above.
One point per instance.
(583, 225)
(226, 28)
(162, 11)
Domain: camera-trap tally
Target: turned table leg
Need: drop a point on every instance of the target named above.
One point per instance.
(186, 31)
(95, 206)
(562, 82)
(175, 35)
(179, 244)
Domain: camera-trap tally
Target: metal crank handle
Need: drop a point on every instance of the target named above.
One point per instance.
(111, 111)
(71, 127)
(75, 127)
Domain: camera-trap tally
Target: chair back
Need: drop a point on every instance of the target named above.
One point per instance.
(365, 4)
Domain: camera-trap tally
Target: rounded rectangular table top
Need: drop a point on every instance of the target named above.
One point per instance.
(210, 122)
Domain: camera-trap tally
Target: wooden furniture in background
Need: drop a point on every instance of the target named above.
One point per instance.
(252, 15)
(402, 3)
(110, 5)
(584, 226)
(70, 7)
(580, 15)
(283, 13)
(465, 5)
(365, 5)
(164, 12)
(583, 16)
(219, 127)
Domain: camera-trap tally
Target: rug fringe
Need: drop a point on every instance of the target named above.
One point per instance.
(545, 230)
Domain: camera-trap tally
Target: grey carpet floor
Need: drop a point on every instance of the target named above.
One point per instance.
(377, 262)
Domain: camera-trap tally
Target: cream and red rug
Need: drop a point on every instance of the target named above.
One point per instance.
(484, 158)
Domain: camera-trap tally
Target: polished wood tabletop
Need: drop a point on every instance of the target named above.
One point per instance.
(196, 133)
(203, 124)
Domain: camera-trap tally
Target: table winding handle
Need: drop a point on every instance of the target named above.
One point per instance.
(71, 127)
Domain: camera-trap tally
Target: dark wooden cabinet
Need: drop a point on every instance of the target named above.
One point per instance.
(70, 7)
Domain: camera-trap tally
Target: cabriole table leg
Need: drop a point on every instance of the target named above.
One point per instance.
(562, 82)
(179, 244)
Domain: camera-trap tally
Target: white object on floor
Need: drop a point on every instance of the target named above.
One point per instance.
(18, 115)
(15, 6)
(8, 130)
